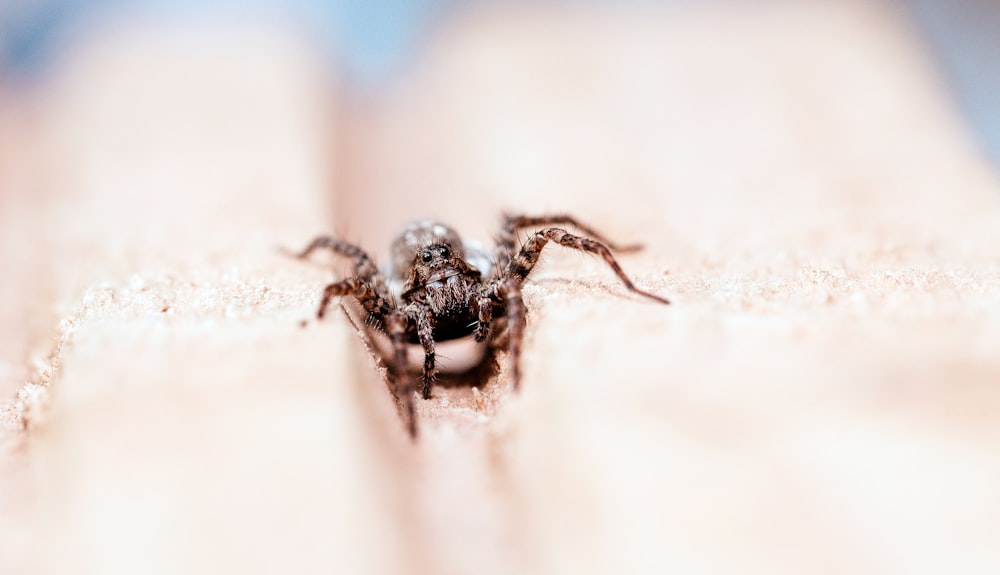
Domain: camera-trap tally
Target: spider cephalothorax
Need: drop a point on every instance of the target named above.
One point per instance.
(437, 288)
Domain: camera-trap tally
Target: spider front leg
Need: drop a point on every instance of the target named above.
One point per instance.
(425, 333)
(367, 284)
(341, 288)
(525, 260)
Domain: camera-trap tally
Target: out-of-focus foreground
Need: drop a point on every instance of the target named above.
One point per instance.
(822, 397)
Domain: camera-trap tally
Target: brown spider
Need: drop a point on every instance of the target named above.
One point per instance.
(437, 289)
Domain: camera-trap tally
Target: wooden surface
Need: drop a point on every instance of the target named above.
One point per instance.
(822, 397)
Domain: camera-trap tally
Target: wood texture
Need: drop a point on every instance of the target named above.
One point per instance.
(821, 397)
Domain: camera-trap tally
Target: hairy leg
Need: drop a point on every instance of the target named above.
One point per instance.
(522, 264)
(516, 321)
(396, 324)
(485, 303)
(364, 293)
(367, 284)
(425, 332)
(507, 240)
(364, 267)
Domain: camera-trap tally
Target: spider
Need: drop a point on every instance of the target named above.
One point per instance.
(437, 288)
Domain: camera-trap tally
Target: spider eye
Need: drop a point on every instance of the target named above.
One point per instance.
(426, 257)
(445, 252)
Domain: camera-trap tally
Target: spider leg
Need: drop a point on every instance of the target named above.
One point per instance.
(485, 303)
(396, 325)
(367, 284)
(425, 332)
(522, 264)
(507, 240)
(346, 287)
(364, 267)
(516, 321)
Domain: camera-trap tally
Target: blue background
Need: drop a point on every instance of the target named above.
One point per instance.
(370, 38)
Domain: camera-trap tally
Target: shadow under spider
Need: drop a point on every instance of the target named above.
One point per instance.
(482, 375)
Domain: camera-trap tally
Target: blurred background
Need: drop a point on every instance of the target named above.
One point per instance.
(371, 42)
(822, 398)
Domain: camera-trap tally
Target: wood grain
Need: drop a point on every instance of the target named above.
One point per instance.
(821, 397)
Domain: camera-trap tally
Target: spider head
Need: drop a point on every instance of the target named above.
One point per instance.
(430, 257)
(420, 238)
(436, 263)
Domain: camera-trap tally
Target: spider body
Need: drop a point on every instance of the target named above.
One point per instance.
(429, 261)
(437, 288)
